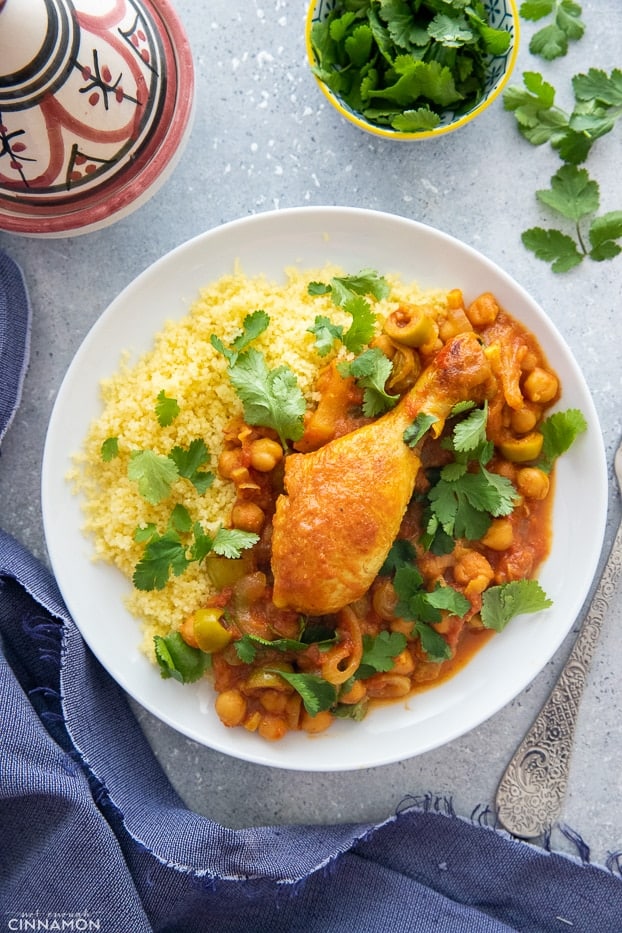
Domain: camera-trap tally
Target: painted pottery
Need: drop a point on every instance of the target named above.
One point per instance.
(96, 100)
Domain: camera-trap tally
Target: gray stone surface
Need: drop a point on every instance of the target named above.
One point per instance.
(265, 138)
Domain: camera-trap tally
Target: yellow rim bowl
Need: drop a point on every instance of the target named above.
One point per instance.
(389, 133)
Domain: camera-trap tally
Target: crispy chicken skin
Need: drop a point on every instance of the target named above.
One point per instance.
(344, 503)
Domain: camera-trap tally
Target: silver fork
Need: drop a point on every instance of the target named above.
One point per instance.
(531, 792)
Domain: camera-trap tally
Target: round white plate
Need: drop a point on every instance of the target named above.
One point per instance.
(267, 243)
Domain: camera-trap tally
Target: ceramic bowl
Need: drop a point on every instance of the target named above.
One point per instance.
(502, 14)
(96, 99)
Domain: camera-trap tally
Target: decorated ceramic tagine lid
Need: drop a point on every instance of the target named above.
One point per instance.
(96, 100)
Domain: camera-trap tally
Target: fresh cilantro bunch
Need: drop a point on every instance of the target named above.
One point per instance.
(402, 64)
(573, 195)
(270, 397)
(551, 41)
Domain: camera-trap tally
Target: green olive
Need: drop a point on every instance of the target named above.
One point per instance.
(521, 449)
(209, 632)
(225, 571)
(409, 325)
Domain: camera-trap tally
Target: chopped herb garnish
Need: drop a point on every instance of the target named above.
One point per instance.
(379, 653)
(178, 660)
(110, 449)
(317, 694)
(189, 462)
(154, 473)
(419, 428)
(348, 292)
(167, 409)
(371, 370)
(559, 430)
(502, 603)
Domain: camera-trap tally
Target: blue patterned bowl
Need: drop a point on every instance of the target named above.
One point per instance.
(502, 14)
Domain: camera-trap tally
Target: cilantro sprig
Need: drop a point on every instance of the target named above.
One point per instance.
(573, 194)
(182, 543)
(552, 40)
(466, 496)
(270, 397)
(348, 292)
(502, 603)
(576, 197)
(178, 660)
(370, 371)
(402, 65)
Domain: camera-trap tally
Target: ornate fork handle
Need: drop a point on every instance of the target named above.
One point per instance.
(532, 789)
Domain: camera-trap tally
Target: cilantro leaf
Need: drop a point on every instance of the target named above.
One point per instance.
(551, 41)
(189, 461)
(230, 542)
(379, 653)
(253, 325)
(162, 555)
(110, 449)
(573, 194)
(365, 282)
(167, 409)
(434, 645)
(603, 233)
(271, 398)
(371, 370)
(178, 660)
(502, 603)
(553, 246)
(401, 552)
(246, 646)
(325, 333)
(559, 431)
(317, 694)
(154, 474)
(363, 324)
(420, 426)
(470, 433)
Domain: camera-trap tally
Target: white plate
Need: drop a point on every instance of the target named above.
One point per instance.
(267, 243)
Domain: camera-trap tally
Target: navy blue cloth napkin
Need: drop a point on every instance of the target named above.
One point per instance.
(93, 836)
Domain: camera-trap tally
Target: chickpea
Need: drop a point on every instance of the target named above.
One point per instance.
(403, 663)
(474, 572)
(231, 707)
(318, 723)
(265, 454)
(272, 728)
(483, 310)
(532, 483)
(248, 516)
(274, 701)
(230, 461)
(540, 385)
(500, 535)
(523, 420)
(355, 694)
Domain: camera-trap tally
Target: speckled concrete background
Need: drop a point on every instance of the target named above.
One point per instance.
(264, 138)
